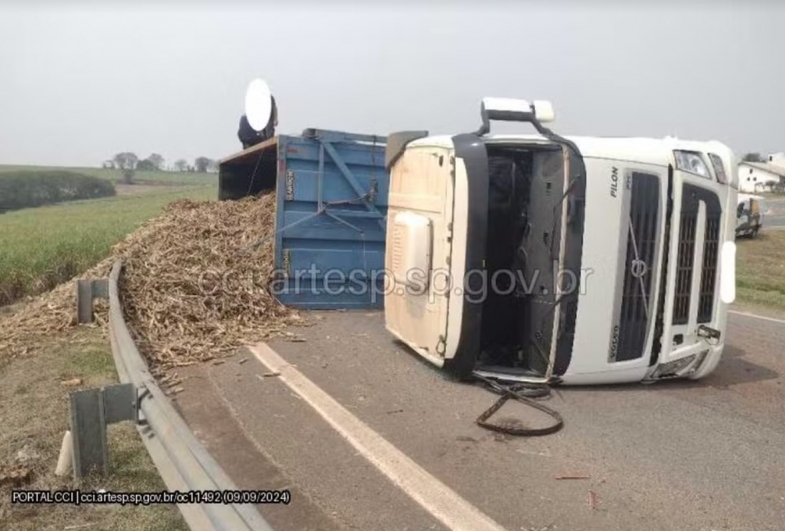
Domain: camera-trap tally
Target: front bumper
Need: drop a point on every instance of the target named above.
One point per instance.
(693, 362)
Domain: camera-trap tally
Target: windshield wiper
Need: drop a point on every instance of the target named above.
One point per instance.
(564, 196)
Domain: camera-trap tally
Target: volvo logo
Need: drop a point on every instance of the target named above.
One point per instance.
(614, 343)
(638, 268)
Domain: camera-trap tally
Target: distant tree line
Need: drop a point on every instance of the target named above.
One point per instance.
(128, 164)
(34, 188)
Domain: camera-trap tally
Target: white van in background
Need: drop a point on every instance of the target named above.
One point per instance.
(749, 215)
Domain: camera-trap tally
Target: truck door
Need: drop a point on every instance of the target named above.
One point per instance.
(433, 293)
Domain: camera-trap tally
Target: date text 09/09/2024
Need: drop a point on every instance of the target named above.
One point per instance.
(78, 497)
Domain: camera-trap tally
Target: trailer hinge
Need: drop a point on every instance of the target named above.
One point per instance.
(287, 262)
(449, 232)
(289, 185)
(441, 346)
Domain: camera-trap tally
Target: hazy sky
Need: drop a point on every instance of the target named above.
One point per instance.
(82, 82)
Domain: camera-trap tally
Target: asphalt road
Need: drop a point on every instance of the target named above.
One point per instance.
(706, 455)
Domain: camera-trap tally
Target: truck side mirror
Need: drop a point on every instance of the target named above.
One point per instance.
(514, 110)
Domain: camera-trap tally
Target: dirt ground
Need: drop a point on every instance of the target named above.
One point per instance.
(34, 416)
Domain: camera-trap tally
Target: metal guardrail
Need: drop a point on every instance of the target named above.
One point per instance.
(184, 464)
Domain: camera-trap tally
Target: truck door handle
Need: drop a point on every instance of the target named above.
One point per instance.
(573, 209)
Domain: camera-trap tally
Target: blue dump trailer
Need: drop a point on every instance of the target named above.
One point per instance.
(331, 204)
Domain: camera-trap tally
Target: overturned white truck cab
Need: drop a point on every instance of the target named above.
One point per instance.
(550, 259)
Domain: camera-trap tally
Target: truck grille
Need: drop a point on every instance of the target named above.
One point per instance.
(709, 274)
(633, 320)
(691, 198)
(681, 299)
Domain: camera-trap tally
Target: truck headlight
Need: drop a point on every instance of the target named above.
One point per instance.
(719, 168)
(692, 162)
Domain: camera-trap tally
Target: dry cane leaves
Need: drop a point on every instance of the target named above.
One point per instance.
(194, 286)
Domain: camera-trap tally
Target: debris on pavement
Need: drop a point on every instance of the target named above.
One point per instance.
(594, 500)
(574, 476)
(242, 361)
(170, 379)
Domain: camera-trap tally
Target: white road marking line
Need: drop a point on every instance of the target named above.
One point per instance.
(745, 314)
(430, 493)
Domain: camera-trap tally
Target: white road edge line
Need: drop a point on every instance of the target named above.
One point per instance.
(431, 494)
(745, 314)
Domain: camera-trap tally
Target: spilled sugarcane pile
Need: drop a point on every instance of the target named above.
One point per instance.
(191, 287)
(194, 285)
(27, 326)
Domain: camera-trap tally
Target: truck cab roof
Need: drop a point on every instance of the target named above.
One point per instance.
(656, 151)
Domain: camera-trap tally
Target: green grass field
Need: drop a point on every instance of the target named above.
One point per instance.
(760, 269)
(41, 247)
(143, 177)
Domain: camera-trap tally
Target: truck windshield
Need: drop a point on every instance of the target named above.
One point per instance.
(529, 196)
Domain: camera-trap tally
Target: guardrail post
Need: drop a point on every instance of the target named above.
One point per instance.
(86, 292)
(91, 411)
